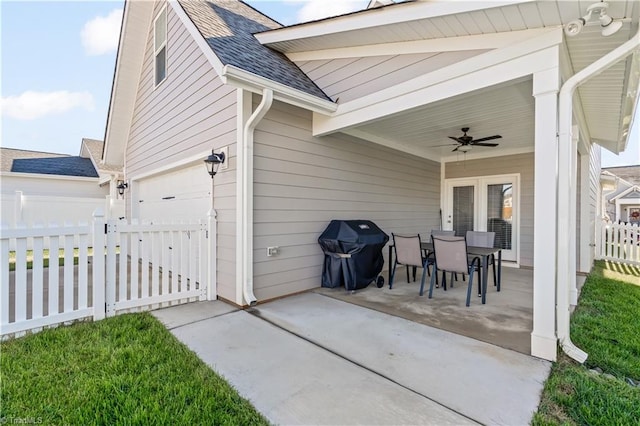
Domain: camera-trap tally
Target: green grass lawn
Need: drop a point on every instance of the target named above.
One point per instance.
(123, 370)
(606, 324)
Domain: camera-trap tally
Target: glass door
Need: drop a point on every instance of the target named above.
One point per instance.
(485, 204)
(463, 215)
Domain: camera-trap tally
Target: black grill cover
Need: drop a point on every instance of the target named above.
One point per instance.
(353, 253)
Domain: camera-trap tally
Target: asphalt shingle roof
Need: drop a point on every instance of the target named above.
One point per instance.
(228, 27)
(22, 161)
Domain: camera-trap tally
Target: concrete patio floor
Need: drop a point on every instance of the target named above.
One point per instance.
(505, 320)
(312, 359)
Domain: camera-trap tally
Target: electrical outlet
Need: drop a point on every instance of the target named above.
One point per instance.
(272, 251)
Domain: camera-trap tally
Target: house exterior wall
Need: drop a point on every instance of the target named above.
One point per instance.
(302, 182)
(511, 164)
(187, 115)
(352, 78)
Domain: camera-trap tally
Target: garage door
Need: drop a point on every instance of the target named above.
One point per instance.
(182, 195)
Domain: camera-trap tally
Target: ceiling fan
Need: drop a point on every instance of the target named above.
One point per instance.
(465, 142)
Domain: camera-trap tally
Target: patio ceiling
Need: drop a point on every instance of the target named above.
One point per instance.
(507, 110)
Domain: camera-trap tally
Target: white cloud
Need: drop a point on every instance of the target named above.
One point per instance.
(100, 35)
(318, 9)
(31, 105)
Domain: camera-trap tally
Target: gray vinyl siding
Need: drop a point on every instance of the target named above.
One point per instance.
(189, 113)
(511, 164)
(302, 182)
(352, 78)
(595, 194)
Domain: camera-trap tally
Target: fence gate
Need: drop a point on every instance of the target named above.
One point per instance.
(154, 265)
(620, 242)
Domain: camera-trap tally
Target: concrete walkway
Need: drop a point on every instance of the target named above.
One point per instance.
(311, 359)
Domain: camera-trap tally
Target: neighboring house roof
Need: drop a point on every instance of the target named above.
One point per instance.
(7, 155)
(632, 192)
(228, 27)
(630, 174)
(22, 161)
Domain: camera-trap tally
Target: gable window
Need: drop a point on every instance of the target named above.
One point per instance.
(160, 46)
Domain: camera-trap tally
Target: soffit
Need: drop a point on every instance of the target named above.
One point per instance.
(506, 109)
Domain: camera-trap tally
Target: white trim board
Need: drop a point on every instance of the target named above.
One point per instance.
(377, 17)
(447, 44)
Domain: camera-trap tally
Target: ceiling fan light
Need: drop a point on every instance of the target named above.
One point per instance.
(464, 148)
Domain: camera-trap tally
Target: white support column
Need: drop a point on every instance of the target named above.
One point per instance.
(543, 336)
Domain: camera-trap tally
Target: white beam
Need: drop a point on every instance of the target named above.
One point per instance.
(378, 17)
(543, 336)
(446, 44)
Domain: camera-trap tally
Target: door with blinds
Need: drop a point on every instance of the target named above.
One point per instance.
(485, 204)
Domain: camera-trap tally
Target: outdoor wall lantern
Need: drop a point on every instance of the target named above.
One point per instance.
(608, 24)
(213, 162)
(122, 185)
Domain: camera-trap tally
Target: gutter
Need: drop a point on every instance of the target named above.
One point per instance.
(247, 194)
(566, 276)
(281, 92)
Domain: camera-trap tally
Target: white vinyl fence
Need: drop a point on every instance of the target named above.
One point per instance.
(620, 242)
(119, 267)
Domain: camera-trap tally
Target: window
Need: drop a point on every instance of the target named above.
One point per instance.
(160, 46)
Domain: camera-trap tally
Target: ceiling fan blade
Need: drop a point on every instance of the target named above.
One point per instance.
(456, 148)
(439, 146)
(488, 138)
(455, 139)
(484, 144)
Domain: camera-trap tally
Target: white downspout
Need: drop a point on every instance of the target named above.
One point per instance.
(247, 195)
(566, 271)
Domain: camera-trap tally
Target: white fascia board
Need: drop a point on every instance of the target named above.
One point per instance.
(49, 177)
(254, 83)
(215, 62)
(378, 17)
(447, 44)
(133, 36)
(481, 71)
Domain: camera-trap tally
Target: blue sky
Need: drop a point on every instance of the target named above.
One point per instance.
(58, 60)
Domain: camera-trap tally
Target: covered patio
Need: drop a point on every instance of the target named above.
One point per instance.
(506, 320)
